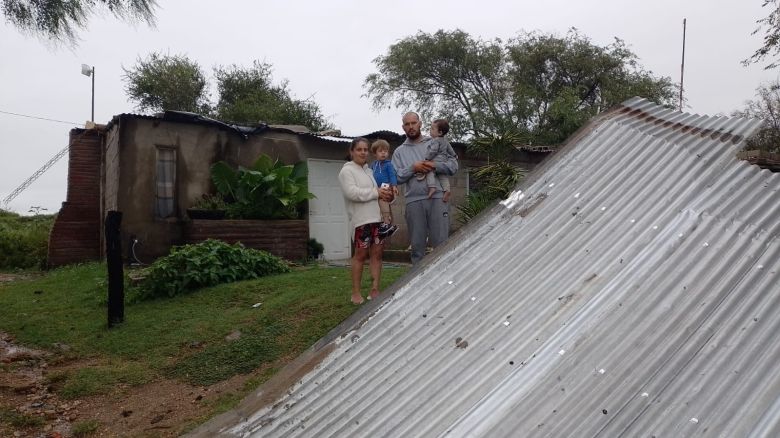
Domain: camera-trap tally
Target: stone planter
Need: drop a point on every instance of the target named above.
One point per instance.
(283, 238)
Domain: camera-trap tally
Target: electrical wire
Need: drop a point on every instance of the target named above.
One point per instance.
(40, 118)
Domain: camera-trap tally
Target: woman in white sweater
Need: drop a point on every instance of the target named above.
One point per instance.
(360, 197)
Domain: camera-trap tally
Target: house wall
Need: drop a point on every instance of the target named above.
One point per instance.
(197, 147)
(75, 235)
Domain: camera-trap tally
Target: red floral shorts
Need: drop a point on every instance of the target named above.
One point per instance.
(366, 234)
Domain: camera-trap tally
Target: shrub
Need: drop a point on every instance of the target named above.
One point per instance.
(206, 264)
(315, 248)
(24, 240)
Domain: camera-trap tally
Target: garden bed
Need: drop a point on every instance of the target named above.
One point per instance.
(283, 238)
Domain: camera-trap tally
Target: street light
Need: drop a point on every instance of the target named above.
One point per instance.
(90, 71)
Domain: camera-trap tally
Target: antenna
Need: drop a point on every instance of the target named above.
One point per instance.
(682, 67)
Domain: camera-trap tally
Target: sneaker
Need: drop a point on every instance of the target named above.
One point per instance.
(387, 230)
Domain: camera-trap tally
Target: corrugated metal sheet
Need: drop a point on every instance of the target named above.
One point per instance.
(630, 288)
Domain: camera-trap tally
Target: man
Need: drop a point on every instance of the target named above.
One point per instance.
(427, 218)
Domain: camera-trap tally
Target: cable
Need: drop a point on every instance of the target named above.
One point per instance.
(40, 118)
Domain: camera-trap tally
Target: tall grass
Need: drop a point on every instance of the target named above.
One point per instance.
(24, 240)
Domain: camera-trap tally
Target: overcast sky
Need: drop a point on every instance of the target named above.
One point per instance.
(325, 50)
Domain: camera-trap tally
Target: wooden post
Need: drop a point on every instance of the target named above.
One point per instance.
(116, 283)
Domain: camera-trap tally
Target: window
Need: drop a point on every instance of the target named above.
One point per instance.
(165, 205)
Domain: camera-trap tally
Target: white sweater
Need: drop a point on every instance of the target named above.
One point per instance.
(360, 195)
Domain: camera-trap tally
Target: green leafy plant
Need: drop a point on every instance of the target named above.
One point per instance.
(474, 203)
(267, 190)
(207, 263)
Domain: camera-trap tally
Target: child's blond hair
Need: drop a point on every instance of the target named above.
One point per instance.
(380, 145)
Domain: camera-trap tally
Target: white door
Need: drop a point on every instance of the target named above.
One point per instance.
(327, 215)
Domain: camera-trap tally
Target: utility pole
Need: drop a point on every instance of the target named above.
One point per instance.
(682, 67)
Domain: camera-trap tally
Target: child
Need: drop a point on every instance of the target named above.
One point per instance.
(439, 150)
(384, 173)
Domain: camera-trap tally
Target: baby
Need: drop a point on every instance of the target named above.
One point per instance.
(439, 150)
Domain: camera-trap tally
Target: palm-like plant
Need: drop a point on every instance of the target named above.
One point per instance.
(496, 179)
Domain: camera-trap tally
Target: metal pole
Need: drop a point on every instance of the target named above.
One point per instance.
(93, 94)
(682, 67)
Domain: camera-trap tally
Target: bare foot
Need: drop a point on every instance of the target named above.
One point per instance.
(446, 197)
(357, 298)
(374, 294)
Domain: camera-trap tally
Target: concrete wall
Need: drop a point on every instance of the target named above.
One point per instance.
(197, 147)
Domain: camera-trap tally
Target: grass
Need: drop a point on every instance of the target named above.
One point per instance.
(17, 420)
(85, 428)
(182, 337)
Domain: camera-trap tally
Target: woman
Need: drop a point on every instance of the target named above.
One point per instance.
(361, 196)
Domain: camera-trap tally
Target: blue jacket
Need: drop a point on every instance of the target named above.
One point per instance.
(384, 172)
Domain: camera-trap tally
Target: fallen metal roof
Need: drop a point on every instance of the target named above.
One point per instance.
(628, 287)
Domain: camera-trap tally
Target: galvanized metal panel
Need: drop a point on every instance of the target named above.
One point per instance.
(629, 287)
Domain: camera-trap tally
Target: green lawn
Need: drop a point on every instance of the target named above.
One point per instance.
(182, 337)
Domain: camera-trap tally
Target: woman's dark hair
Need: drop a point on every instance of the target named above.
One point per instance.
(354, 143)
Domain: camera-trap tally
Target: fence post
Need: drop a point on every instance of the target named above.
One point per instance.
(116, 283)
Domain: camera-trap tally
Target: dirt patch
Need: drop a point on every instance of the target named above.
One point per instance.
(30, 408)
(7, 278)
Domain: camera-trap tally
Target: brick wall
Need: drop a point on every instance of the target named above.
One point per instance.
(283, 238)
(75, 236)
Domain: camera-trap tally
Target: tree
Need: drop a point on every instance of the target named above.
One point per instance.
(59, 21)
(446, 74)
(248, 95)
(245, 95)
(771, 35)
(541, 86)
(766, 106)
(164, 82)
(560, 83)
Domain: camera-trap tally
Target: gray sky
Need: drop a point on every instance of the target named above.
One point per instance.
(325, 50)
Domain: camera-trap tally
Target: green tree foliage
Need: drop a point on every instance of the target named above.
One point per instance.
(58, 21)
(765, 106)
(167, 82)
(543, 86)
(245, 95)
(248, 95)
(560, 83)
(771, 26)
(204, 264)
(447, 73)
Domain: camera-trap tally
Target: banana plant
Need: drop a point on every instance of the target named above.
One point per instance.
(268, 189)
